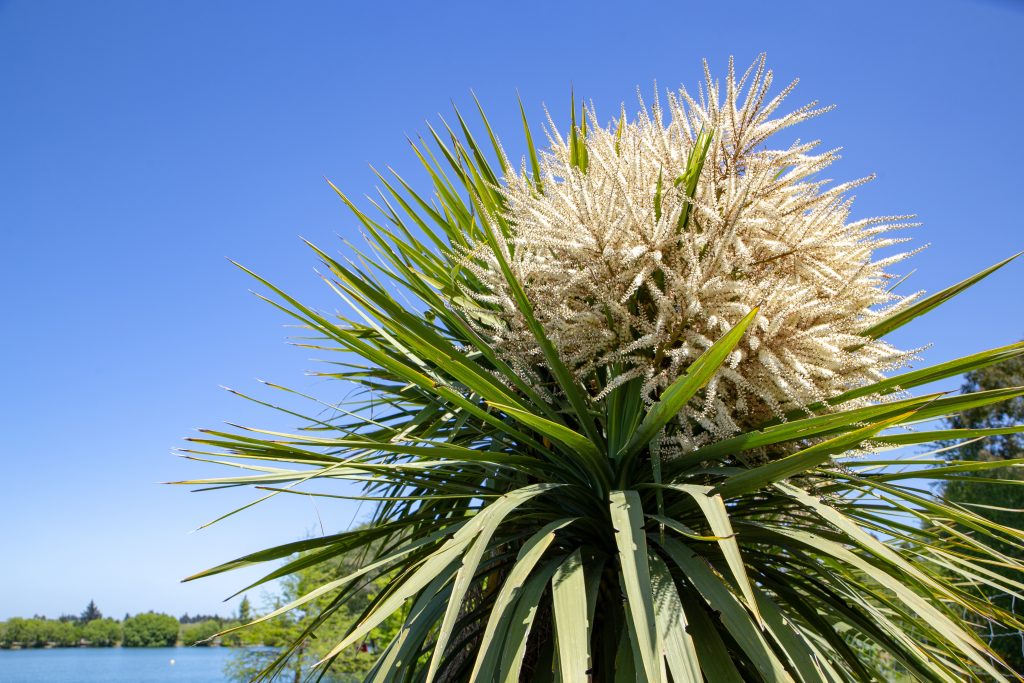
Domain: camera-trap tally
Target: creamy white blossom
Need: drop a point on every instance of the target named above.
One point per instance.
(625, 289)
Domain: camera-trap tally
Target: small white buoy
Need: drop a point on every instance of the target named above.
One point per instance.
(172, 662)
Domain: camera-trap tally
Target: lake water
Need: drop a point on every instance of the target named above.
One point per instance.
(115, 665)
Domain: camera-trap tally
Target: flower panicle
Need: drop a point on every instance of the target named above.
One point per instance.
(630, 267)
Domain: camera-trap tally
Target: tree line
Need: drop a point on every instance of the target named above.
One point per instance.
(146, 629)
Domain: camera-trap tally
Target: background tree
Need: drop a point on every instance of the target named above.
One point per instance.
(91, 613)
(201, 632)
(39, 631)
(62, 633)
(102, 632)
(187, 618)
(278, 634)
(996, 494)
(150, 630)
(14, 631)
(244, 609)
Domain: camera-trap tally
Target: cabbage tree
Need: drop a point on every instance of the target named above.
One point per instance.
(627, 412)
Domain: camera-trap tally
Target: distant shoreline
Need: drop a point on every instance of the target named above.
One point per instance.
(143, 630)
(88, 646)
(177, 646)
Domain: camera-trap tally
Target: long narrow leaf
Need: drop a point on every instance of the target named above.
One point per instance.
(904, 316)
(572, 631)
(628, 520)
(683, 389)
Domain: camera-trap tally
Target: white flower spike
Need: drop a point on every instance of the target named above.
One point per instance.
(640, 259)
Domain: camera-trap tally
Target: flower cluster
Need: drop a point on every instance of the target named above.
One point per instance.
(635, 267)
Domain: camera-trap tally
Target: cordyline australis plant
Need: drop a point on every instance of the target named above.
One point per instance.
(624, 417)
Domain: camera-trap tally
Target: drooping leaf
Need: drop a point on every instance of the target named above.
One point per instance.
(572, 630)
(628, 520)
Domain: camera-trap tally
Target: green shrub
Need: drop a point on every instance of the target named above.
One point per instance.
(199, 632)
(102, 632)
(150, 630)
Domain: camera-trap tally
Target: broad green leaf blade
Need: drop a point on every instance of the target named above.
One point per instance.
(797, 650)
(578, 155)
(624, 408)
(713, 507)
(311, 558)
(684, 530)
(967, 643)
(934, 435)
(875, 614)
(412, 332)
(572, 631)
(683, 389)
(820, 627)
(400, 657)
(865, 540)
(441, 563)
(522, 621)
(344, 541)
(626, 670)
(736, 619)
(628, 519)
(716, 661)
(777, 470)
(444, 560)
(593, 575)
(575, 441)
(496, 633)
(352, 342)
(482, 166)
(489, 519)
(954, 470)
(671, 620)
(903, 317)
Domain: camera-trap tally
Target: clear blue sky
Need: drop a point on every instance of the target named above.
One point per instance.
(141, 143)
